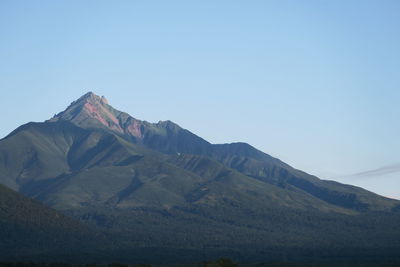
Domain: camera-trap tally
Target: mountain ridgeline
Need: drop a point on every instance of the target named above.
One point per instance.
(158, 189)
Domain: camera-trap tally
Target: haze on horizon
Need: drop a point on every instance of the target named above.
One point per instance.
(314, 83)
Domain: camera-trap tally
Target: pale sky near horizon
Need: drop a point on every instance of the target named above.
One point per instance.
(314, 83)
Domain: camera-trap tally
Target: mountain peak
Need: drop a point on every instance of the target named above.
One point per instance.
(93, 111)
(89, 94)
(90, 97)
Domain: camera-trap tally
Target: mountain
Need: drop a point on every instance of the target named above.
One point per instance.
(158, 187)
(91, 111)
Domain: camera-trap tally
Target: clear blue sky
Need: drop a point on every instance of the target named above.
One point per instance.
(314, 83)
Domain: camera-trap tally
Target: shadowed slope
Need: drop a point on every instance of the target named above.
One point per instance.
(29, 229)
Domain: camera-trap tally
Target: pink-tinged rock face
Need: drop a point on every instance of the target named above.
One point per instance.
(135, 129)
(95, 113)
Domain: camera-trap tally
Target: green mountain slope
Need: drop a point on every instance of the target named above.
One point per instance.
(69, 167)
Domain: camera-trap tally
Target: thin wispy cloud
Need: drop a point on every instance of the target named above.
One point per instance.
(390, 169)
